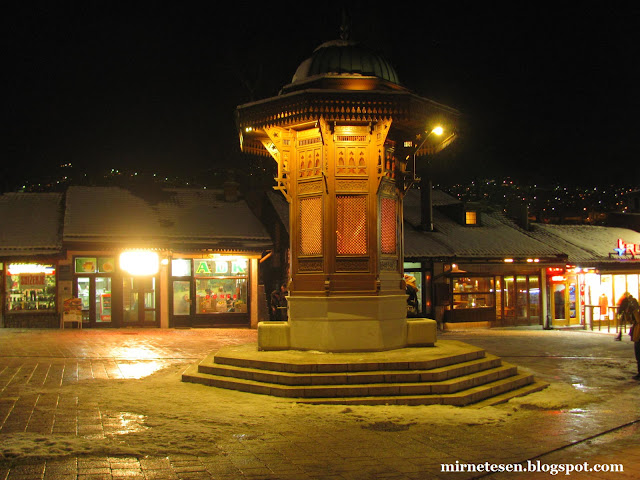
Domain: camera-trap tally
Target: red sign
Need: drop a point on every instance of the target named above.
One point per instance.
(625, 248)
(31, 280)
(554, 270)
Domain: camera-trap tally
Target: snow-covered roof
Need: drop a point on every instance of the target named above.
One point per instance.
(183, 216)
(496, 237)
(30, 224)
(586, 243)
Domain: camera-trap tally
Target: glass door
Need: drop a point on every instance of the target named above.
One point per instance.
(102, 299)
(509, 301)
(139, 301)
(559, 313)
(83, 284)
(572, 301)
(95, 294)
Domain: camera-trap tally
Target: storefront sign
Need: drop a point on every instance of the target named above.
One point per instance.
(220, 267)
(29, 281)
(624, 248)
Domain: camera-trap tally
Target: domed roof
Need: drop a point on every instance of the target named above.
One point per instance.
(344, 57)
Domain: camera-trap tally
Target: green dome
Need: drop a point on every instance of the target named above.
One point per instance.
(342, 57)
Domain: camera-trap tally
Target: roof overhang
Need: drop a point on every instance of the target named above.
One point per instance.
(409, 112)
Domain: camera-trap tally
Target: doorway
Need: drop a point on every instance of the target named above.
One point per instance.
(564, 303)
(139, 308)
(95, 294)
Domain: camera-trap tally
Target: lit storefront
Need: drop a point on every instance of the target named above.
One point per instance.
(116, 288)
(30, 252)
(479, 294)
(589, 295)
(186, 258)
(30, 294)
(603, 264)
(160, 288)
(210, 291)
(493, 294)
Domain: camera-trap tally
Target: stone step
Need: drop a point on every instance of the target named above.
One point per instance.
(391, 394)
(439, 374)
(357, 390)
(516, 385)
(309, 362)
(536, 386)
(451, 373)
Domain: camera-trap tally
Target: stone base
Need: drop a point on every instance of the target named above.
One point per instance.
(347, 324)
(421, 332)
(273, 336)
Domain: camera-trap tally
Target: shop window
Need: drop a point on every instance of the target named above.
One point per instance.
(30, 287)
(310, 227)
(351, 224)
(221, 285)
(388, 224)
(472, 292)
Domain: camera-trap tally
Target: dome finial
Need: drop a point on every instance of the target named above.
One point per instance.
(345, 28)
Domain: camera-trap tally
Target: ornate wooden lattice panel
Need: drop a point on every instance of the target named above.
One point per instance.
(388, 225)
(351, 161)
(310, 226)
(310, 162)
(351, 225)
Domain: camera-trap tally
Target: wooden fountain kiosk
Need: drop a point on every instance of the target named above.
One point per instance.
(344, 134)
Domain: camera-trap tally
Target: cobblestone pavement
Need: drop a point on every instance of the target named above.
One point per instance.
(109, 404)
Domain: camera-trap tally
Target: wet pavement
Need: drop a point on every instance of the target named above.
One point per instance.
(109, 404)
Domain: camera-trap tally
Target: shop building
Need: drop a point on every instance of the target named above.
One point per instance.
(602, 264)
(476, 267)
(30, 251)
(154, 258)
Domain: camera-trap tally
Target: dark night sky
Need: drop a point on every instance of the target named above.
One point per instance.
(547, 92)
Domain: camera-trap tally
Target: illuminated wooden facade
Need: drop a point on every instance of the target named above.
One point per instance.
(339, 142)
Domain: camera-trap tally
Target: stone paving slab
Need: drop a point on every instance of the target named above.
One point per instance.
(109, 404)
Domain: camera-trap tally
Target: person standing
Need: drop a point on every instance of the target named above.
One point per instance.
(278, 302)
(622, 316)
(633, 311)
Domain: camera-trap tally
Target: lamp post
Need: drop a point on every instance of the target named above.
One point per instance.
(438, 130)
(426, 210)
